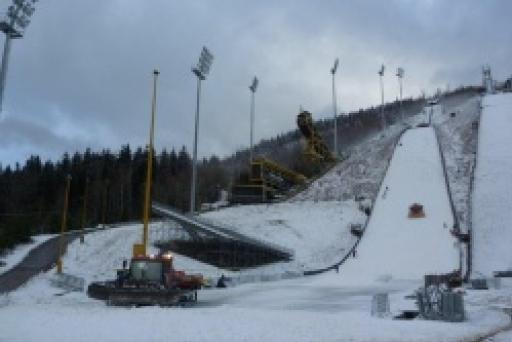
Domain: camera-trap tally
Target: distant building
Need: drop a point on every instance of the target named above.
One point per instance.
(487, 81)
(507, 86)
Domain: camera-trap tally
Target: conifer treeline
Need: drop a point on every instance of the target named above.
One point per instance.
(31, 196)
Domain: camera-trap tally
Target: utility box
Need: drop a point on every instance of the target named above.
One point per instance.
(380, 305)
(437, 303)
(452, 307)
(357, 229)
(479, 284)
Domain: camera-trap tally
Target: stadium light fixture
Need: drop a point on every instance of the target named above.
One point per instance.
(382, 118)
(14, 25)
(201, 70)
(252, 88)
(400, 75)
(334, 106)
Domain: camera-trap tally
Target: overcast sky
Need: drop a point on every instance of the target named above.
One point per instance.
(82, 74)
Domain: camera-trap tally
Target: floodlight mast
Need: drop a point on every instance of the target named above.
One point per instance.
(382, 118)
(400, 75)
(335, 108)
(18, 18)
(252, 88)
(201, 70)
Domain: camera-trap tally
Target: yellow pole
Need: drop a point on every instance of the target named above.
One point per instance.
(104, 209)
(147, 200)
(63, 224)
(84, 210)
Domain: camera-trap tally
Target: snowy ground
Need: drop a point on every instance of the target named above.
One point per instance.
(15, 256)
(306, 309)
(492, 200)
(114, 246)
(318, 232)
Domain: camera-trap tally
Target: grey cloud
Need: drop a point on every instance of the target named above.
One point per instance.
(82, 74)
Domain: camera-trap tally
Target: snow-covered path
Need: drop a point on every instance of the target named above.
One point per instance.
(492, 199)
(395, 246)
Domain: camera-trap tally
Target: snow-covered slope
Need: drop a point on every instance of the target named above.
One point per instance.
(395, 246)
(458, 138)
(492, 198)
(104, 251)
(361, 173)
(318, 232)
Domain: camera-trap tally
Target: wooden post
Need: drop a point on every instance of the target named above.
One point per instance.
(63, 224)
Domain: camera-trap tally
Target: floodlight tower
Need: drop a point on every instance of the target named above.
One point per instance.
(400, 75)
(18, 18)
(201, 70)
(382, 118)
(334, 106)
(252, 88)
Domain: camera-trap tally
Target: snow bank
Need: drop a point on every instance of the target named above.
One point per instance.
(318, 232)
(492, 200)
(103, 252)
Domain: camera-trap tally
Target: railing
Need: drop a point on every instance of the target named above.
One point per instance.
(456, 225)
(209, 227)
(470, 206)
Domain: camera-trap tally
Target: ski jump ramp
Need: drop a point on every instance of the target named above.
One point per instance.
(492, 195)
(395, 246)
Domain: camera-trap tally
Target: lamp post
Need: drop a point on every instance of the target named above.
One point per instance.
(382, 118)
(334, 106)
(63, 224)
(18, 18)
(201, 70)
(252, 88)
(400, 75)
(84, 210)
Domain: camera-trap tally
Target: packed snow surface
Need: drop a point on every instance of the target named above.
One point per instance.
(306, 309)
(492, 198)
(398, 247)
(318, 232)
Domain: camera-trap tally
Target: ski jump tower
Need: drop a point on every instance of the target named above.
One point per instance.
(487, 81)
